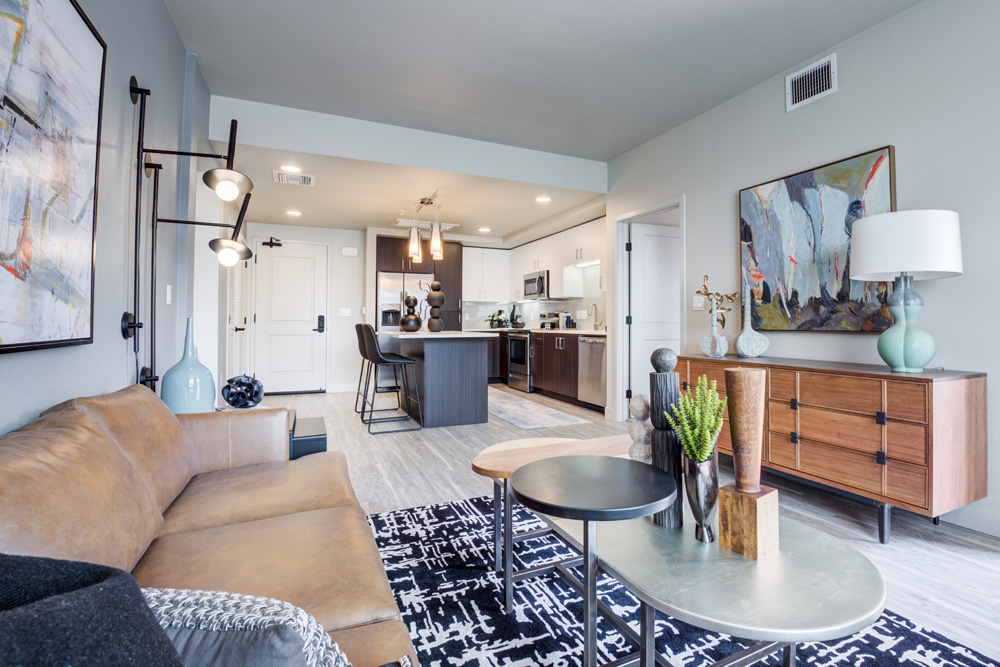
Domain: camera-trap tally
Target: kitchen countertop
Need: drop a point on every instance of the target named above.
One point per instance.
(578, 332)
(439, 334)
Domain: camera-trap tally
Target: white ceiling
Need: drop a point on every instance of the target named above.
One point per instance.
(587, 78)
(355, 194)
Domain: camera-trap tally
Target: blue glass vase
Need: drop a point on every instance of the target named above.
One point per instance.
(188, 386)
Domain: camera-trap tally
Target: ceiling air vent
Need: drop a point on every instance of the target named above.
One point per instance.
(811, 82)
(292, 179)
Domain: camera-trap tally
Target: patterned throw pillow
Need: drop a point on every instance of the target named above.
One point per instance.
(215, 628)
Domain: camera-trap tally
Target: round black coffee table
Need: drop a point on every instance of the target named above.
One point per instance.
(591, 489)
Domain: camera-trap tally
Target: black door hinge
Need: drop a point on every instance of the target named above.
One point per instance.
(628, 247)
(628, 393)
(795, 438)
(881, 418)
(628, 319)
(881, 458)
(795, 404)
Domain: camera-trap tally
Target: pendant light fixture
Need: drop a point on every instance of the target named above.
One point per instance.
(414, 249)
(437, 248)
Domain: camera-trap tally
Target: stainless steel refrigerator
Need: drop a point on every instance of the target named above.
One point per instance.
(392, 289)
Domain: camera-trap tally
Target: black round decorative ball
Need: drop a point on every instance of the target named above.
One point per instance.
(243, 392)
(435, 298)
(410, 301)
(435, 324)
(664, 360)
(436, 286)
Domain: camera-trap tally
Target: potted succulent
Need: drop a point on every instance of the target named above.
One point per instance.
(494, 320)
(697, 420)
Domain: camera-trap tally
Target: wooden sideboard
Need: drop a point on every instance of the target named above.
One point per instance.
(910, 440)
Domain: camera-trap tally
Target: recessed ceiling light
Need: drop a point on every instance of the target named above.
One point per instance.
(484, 229)
(290, 168)
(543, 199)
(294, 212)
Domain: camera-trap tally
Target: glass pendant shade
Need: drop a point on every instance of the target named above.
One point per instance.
(414, 249)
(437, 248)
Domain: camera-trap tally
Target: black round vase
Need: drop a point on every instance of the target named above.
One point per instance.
(435, 299)
(411, 321)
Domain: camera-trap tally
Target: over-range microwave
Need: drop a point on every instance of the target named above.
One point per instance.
(536, 285)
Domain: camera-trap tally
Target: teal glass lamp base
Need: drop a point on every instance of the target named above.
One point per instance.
(906, 347)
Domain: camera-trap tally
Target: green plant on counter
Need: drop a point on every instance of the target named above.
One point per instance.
(493, 318)
(697, 419)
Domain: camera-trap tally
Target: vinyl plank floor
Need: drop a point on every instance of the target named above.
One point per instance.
(945, 578)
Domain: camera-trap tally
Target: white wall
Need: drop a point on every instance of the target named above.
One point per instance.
(142, 41)
(346, 290)
(924, 81)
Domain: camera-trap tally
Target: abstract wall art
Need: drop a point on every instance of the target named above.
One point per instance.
(51, 91)
(795, 235)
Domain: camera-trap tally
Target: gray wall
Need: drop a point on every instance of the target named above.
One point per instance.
(924, 81)
(142, 41)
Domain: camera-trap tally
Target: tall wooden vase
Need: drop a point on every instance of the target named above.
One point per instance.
(746, 389)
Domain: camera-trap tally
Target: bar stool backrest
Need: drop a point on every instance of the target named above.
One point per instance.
(359, 328)
(371, 345)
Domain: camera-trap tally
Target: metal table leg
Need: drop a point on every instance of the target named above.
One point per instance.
(508, 548)
(647, 635)
(789, 656)
(497, 530)
(589, 594)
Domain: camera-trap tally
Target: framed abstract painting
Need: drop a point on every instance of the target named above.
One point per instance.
(795, 238)
(52, 64)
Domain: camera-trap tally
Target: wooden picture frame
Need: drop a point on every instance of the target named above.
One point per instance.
(53, 62)
(795, 245)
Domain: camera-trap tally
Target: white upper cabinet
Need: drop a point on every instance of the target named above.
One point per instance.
(485, 274)
(583, 244)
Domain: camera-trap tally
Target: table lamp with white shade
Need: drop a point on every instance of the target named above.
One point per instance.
(904, 246)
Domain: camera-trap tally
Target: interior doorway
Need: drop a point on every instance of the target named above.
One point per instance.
(652, 283)
(290, 318)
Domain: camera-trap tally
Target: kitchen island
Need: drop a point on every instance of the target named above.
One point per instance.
(451, 370)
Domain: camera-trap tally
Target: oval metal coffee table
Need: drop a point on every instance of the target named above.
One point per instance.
(592, 489)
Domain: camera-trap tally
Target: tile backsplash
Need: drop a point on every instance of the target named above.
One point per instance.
(477, 311)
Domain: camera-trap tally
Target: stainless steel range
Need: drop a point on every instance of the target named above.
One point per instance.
(519, 361)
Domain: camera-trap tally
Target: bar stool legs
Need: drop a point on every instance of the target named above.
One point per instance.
(399, 387)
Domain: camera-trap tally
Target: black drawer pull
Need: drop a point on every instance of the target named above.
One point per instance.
(795, 403)
(881, 458)
(795, 438)
(881, 418)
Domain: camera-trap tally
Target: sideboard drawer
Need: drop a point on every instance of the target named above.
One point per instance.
(906, 442)
(782, 451)
(713, 370)
(725, 441)
(840, 465)
(906, 482)
(906, 400)
(841, 392)
(782, 387)
(781, 417)
(843, 429)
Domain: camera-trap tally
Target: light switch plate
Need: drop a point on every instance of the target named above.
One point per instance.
(170, 294)
(345, 312)
(348, 251)
(699, 303)
(582, 314)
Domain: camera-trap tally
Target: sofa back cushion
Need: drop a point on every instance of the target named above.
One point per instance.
(150, 435)
(67, 491)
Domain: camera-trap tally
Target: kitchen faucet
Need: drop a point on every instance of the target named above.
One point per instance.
(597, 323)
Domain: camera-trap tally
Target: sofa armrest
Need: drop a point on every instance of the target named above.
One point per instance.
(236, 438)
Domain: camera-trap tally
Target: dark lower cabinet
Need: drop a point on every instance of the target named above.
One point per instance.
(504, 354)
(560, 364)
(539, 379)
(493, 358)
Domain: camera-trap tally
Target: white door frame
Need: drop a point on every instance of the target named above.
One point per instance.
(254, 243)
(621, 351)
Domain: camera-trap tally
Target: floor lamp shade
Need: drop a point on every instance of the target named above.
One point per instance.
(904, 246)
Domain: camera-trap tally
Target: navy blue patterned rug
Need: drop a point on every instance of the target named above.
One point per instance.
(439, 562)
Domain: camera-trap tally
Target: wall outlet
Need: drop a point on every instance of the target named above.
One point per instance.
(466, 316)
(699, 303)
(582, 314)
(345, 312)
(348, 251)
(170, 294)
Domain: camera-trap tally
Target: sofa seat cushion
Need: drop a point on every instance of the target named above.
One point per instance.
(149, 434)
(377, 644)
(67, 491)
(250, 493)
(324, 561)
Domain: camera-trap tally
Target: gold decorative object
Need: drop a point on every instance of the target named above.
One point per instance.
(717, 299)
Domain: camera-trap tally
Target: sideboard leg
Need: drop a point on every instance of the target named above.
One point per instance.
(937, 521)
(789, 656)
(884, 519)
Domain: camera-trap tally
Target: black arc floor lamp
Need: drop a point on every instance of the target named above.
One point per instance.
(227, 183)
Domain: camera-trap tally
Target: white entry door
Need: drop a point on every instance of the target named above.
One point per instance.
(290, 301)
(656, 297)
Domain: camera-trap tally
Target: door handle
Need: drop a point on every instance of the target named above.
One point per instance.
(320, 324)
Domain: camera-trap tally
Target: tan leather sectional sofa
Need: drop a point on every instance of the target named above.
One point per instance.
(207, 502)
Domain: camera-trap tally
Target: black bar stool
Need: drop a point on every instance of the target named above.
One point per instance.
(366, 365)
(376, 359)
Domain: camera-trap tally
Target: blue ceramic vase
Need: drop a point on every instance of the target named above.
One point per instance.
(188, 386)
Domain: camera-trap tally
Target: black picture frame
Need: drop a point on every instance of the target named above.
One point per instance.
(71, 11)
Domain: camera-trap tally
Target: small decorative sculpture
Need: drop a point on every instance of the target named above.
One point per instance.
(243, 392)
(640, 429)
(411, 321)
(435, 299)
(750, 343)
(715, 345)
(664, 391)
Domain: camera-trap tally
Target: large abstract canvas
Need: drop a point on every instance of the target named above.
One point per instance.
(51, 89)
(796, 246)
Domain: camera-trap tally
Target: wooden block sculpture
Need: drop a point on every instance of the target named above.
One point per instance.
(748, 512)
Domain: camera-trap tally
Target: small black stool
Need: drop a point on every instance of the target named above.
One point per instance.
(376, 359)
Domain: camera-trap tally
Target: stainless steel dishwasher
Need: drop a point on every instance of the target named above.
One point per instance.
(592, 379)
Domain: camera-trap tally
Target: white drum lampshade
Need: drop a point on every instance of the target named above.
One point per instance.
(904, 246)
